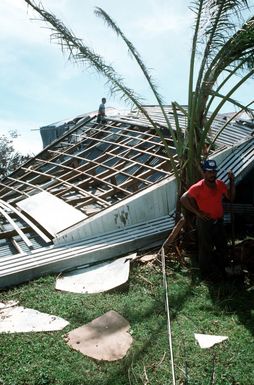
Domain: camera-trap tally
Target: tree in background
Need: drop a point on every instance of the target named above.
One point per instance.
(10, 159)
(222, 47)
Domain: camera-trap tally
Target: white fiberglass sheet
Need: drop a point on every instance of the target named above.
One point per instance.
(17, 319)
(50, 212)
(96, 279)
(207, 340)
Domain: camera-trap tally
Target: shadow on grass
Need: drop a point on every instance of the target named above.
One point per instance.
(233, 297)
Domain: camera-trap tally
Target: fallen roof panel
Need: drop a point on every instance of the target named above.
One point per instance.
(94, 168)
(21, 268)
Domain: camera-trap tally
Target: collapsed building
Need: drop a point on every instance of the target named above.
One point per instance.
(99, 191)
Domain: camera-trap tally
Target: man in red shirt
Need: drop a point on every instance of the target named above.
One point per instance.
(204, 199)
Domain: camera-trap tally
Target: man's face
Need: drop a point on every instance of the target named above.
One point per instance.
(210, 176)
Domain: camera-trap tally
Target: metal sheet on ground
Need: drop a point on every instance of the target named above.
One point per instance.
(97, 278)
(50, 212)
(105, 338)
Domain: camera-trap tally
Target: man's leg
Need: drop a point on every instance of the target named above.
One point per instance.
(220, 242)
(205, 247)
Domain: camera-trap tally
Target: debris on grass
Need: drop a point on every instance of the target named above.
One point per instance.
(97, 278)
(17, 319)
(207, 340)
(148, 258)
(106, 338)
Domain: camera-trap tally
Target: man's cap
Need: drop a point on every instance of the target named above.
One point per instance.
(209, 165)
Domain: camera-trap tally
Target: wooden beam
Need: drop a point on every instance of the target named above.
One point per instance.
(20, 232)
(25, 219)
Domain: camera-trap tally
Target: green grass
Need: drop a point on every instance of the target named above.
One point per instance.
(195, 307)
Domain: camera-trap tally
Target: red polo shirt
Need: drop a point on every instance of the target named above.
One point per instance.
(209, 200)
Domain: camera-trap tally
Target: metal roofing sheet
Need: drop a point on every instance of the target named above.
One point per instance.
(92, 167)
(240, 161)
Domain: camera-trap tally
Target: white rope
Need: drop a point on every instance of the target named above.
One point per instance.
(168, 316)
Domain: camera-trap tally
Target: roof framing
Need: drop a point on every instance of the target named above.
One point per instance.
(92, 167)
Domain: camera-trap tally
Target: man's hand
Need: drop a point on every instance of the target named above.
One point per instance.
(231, 190)
(202, 215)
(231, 176)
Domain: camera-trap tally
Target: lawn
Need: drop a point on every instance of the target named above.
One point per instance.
(195, 307)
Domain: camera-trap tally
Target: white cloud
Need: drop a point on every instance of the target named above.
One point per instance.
(165, 18)
(162, 23)
(16, 24)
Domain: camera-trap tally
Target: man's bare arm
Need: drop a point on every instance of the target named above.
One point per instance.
(231, 189)
(190, 204)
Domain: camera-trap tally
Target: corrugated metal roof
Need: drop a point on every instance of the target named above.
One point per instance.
(240, 161)
(233, 133)
(94, 166)
(14, 270)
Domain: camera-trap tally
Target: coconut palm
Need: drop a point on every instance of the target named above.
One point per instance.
(227, 51)
(222, 47)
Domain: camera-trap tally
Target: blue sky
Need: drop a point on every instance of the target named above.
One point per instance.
(40, 86)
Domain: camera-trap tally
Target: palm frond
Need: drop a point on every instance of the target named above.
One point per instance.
(197, 9)
(234, 102)
(217, 34)
(228, 44)
(243, 108)
(154, 88)
(220, 105)
(239, 48)
(233, 57)
(218, 21)
(231, 72)
(80, 53)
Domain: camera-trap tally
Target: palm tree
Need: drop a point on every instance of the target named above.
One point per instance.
(225, 54)
(226, 41)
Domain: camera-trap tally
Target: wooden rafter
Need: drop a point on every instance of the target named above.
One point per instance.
(16, 228)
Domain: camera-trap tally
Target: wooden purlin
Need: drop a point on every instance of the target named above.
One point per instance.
(109, 173)
(17, 247)
(16, 227)
(8, 234)
(25, 183)
(141, 135)
(124, 146)
(22, 183)
(80, 171)
(13, 189)
(114, 143)
(113, 155)
(26, 220)
(76, 173)
(21, 191)
(96, 198)
(133, 180)
(81, 191)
